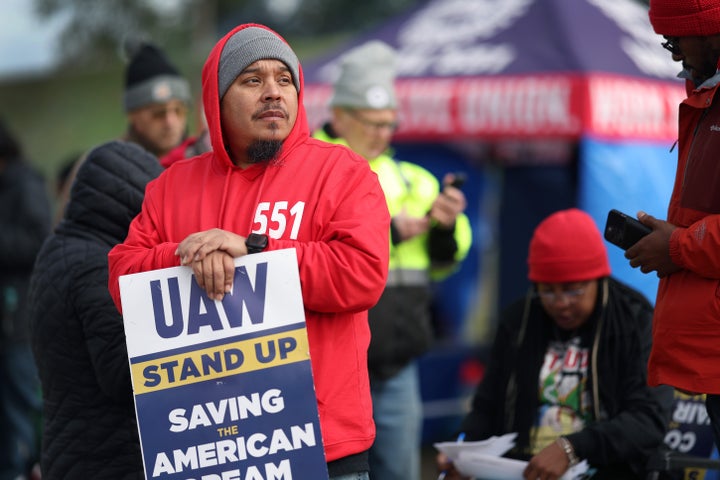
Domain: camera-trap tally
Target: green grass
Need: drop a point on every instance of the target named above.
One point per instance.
(61, 114)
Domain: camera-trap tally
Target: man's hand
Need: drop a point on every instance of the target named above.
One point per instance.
(446, 467)
(549, 464)
(197, 245)
(409, 227)
(210, 254)
(448, 205)
(215, 273)
(652, 252)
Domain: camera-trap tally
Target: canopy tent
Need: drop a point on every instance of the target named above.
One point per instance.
(534, 82)
(547, 104)
(488, 69)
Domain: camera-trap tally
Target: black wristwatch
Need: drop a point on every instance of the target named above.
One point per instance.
(256, 243)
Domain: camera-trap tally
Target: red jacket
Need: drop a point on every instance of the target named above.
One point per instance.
(321, 199)
(686, 324)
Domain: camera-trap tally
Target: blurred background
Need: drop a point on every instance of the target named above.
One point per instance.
(545, 104)
(62, 66)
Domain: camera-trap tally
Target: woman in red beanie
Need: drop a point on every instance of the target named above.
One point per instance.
(567, 369)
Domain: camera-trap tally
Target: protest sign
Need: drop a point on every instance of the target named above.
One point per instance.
(690, 433)
(223, 389)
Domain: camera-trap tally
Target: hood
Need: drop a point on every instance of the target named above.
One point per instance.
(211, 102)
(108, 191)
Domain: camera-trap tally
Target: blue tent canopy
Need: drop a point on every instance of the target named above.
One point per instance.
(489, 69)
(469, 38)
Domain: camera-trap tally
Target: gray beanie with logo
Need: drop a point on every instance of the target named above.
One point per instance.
(249, 45)
(367, 78)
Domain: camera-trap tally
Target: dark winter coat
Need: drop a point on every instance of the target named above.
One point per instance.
(630, 418)
(89, 426)
(24, 224)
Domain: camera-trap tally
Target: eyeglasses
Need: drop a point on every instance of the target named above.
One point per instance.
(672, 45)
(571, 296)
(378, 126)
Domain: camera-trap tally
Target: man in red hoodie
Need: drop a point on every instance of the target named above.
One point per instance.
(267, 185)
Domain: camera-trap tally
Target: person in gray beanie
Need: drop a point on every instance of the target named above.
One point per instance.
(367, 78)
(266, 185)
(430, 236)
(156, 100)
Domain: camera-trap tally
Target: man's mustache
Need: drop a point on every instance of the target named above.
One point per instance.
(267, 108)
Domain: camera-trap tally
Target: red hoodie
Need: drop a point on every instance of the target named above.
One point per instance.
(321, 199)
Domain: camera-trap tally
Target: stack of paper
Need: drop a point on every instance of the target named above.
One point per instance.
(483, 461)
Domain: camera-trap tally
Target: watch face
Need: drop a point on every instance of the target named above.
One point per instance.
(256, 243)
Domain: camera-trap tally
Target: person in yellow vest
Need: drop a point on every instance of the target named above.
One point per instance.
(430, 235)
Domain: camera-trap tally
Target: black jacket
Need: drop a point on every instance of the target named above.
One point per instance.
(89, 426)
(24, 224)
(630, 418)
(401, 321)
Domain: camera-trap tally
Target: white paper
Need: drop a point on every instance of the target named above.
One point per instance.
(494, 446)
(487, 467)
(483, 459)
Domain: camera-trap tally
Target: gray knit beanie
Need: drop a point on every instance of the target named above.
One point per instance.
(367, 78)
(249, 45)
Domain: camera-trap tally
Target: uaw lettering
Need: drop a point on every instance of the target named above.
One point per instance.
(203, 312)
(223, 389)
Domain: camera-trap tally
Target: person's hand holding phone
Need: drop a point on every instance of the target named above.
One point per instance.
(652, 252)
(451, 202)
(623, 230)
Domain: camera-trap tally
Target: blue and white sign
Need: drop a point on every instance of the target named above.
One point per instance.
(223, 389)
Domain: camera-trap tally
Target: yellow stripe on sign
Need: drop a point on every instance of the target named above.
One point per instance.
(220, 361)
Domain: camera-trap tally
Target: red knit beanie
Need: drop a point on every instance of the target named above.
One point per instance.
(684, 18)
(567, 247)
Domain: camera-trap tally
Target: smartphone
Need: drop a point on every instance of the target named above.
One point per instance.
(623, 230)
(460, 179)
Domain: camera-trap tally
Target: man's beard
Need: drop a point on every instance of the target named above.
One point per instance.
(260, 151)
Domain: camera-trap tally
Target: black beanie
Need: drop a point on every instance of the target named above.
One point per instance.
(151, 78)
